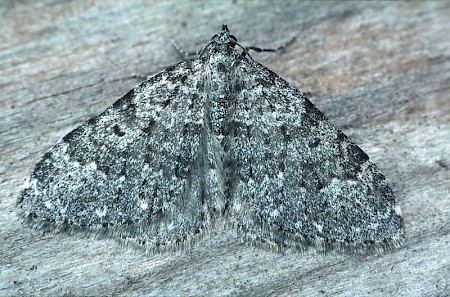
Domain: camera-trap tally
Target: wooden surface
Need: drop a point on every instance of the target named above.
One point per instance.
(380, 71)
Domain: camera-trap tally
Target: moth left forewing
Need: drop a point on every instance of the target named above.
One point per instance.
(131, 171)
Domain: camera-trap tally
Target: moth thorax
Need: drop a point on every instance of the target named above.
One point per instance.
(222, 81)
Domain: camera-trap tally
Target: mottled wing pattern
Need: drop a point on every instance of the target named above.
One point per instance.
(216, 137)
(133, 171)
(295, 180)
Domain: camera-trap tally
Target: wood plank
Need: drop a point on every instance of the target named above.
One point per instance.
(380, 71)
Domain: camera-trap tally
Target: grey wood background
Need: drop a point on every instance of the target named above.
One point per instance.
(380, 71)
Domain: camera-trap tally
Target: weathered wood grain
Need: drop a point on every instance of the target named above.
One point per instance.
(380, 71)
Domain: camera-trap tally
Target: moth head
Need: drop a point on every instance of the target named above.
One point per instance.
(224, 37)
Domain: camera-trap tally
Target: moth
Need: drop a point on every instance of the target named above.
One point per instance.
(215, 139)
